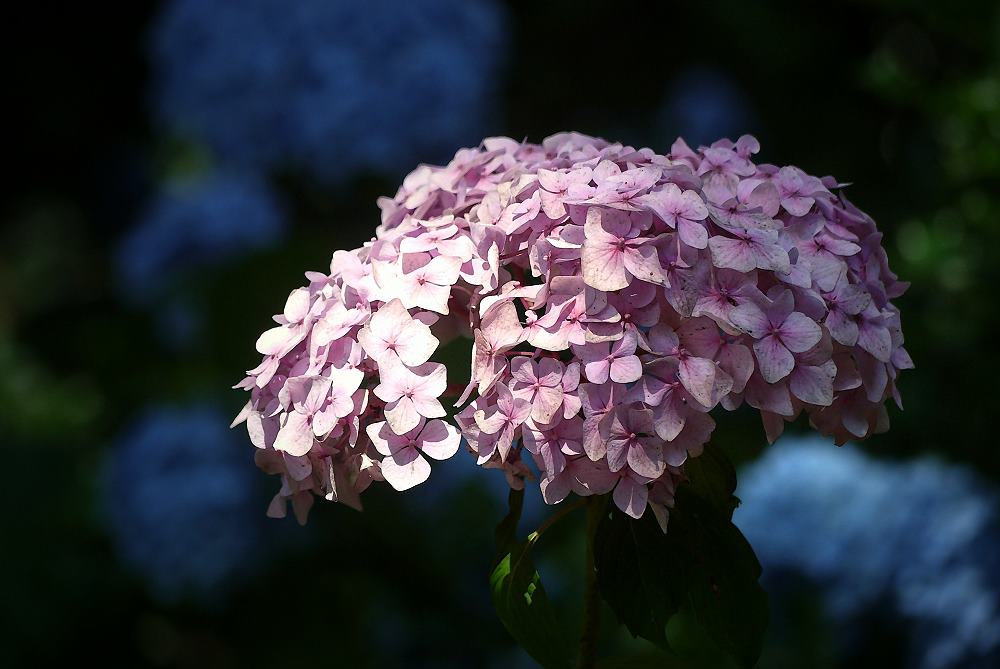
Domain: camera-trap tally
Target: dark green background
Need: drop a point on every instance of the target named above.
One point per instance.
(900, 98)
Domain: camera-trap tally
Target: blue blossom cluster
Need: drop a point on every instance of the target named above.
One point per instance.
(179, 502)
(918, 539)
(329, 86)
(703, 103)
(196, 222)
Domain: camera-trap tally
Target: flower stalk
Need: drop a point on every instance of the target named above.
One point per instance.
(591, 594)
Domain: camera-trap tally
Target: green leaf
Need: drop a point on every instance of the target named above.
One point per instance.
(519, 598)
(506, 532)
(721, 576)
(634, 574)
(714, 477)
(703, 562)
(644, 661)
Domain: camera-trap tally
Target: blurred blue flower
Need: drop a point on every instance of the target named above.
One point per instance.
(196, 222)
(703, 104)
(330, 86)
(179, 500)
(920, 538)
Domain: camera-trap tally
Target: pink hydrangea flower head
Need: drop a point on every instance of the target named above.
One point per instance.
(614, 301)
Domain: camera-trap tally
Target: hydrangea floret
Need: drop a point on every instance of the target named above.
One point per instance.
(616, 300)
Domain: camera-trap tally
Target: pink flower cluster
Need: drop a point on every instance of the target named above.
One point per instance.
(614, 297)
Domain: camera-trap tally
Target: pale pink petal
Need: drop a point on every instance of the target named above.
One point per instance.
(523, 370)
(550, 372)
(617, 454)
(324, 421)
(341, 404)
(432, 379)
(813, 385)
(547, 402)
(876, 340)
(278, 508)
(826, 270)
(439, 440)
(591, 478)
(415, 344)
(262, 431)
(553, 460)
(768, 397)
(693, 234)
(490, 421)
(381, 436)
(522, 409)
(751, 319)
(603, 266)
(738, 363)
(297, 305)
(442, 270)
(403, 416)
(624, 346)
(631, 497)
(692, 207)
(669, 422)
(405, 469)
(302, 502)
(389, 390)
(556, 489)
(624, 370)
(799, 333)
(731, 253)
(797, 205)
(428, 407)
(298, 466)
(643, 263)
(602, 255)
(646, 459)
(296, 436)
(593, 443)
(598, 371)
(842, 327)
(273, 341)
(346, 380)
(772, 257)
(428, 295)
(775, 361)
(698, 377)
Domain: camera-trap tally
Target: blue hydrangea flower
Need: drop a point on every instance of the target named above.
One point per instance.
(921, 538)
(196, 222)
(703, 104)
(178, 498)
(331, 86)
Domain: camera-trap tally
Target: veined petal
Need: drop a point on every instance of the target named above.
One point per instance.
(405, 469)
(774, 360)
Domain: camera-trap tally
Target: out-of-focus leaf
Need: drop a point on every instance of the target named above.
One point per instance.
(703, 561)
(519, 597)
(644, 661)
(506, 532)
(720, 576)
(635, 574)
(713, 476)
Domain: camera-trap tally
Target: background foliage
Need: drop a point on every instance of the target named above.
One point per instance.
(142, 248)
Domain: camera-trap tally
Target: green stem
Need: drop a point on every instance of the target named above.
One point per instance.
(591, 595)
(566, 509)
